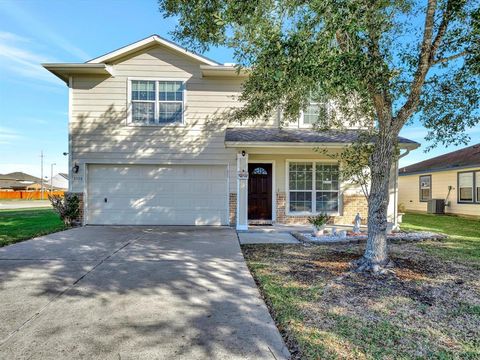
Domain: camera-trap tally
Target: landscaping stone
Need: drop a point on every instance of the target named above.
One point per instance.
(362, 237)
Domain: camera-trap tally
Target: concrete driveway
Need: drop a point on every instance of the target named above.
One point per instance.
(133, 293)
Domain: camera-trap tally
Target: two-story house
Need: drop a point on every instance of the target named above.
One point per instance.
(148, 145)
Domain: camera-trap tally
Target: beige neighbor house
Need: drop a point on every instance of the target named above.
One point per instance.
(147, 145)
(453, 177)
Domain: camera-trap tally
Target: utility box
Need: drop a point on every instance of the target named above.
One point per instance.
(436, 206)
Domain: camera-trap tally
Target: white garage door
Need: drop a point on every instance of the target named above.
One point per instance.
(157, 195)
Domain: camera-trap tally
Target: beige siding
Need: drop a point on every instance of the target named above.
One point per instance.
(99, 129)
(409, 192)
(99, 132)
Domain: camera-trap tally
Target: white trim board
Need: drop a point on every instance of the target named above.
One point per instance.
(144, 43)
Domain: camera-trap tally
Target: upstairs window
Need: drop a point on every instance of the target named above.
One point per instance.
(314, 112)
(143, 102)
(157, 102)
(425, 187)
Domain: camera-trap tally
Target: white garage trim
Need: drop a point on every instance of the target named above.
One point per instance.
(188, 194)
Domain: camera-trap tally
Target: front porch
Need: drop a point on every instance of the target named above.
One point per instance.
(282, 179)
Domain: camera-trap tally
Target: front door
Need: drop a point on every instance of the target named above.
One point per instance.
(259, 191)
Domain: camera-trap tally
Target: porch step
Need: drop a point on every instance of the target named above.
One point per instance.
(260, 222)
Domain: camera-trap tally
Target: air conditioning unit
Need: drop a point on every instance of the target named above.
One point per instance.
(436, 206)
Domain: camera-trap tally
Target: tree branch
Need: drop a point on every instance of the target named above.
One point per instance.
(441, 29)
(424, 63)
(448, 58)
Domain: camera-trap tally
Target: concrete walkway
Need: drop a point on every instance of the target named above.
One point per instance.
(133, 293)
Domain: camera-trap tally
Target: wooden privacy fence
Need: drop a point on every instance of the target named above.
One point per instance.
(28, 195)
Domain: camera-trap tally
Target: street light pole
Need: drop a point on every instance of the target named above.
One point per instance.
(51, 177)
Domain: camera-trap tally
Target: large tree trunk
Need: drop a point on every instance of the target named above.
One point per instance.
(375, 258)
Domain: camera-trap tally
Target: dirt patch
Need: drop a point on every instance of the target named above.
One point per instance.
(427, 308)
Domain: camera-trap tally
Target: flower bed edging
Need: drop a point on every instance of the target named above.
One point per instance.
(357, 239)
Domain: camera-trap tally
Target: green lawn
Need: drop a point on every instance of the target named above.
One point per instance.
(23, 224)
(428, 309)
(463, 242)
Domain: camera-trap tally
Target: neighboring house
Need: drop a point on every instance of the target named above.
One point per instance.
(19, 181)
(454, 177)
(59, 181)
(148, 145)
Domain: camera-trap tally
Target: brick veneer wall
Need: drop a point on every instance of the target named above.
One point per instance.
(232, 204)
(352, 204)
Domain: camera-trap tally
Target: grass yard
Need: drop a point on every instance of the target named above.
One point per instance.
(22, 224)
(463, 243)
(430, 307)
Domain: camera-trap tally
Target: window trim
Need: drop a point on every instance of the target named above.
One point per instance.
(475, 186)
(313, 191)
(474, 201)
(129, 119)
(302, 114)
(420, 188)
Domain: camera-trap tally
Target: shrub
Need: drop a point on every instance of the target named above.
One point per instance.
(319, 220)
(67, 207)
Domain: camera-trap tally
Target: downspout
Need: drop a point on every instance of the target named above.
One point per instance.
(395, 198)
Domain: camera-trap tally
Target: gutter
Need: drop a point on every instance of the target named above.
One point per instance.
(299, 144)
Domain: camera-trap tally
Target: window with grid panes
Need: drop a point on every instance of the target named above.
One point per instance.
(157, 101)
(313, 187)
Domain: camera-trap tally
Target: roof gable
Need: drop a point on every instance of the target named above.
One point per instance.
(145, 44)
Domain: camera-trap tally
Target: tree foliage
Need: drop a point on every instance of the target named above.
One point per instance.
(367, 51)
(377, 64)
(354, 164)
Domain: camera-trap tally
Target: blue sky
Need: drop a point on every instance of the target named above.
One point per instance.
(34, 103)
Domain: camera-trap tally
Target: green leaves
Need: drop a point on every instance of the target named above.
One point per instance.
(362, 55)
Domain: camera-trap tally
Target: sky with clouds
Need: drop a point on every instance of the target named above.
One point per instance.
(34, 103)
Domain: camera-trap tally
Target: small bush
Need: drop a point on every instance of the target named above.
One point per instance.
(319, 220)
(67, 207)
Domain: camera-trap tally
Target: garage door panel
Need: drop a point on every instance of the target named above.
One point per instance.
(163, 195)
(151, 217)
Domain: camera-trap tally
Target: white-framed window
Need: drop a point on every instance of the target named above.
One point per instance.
(468, 185)
(477, 186)
(313, 187)
(156, 102)
(425, 183)
(313, 112)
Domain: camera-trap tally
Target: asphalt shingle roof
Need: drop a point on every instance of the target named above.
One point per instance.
(468, 157)
(295, 136)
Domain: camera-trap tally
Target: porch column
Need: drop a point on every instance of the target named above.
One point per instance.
(393, 199)
(242, 191)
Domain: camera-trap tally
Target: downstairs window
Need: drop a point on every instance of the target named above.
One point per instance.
(313, 187)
